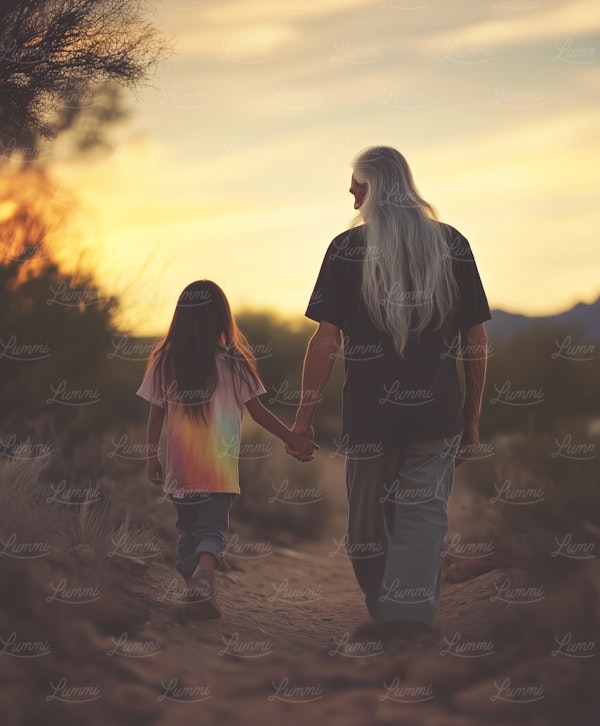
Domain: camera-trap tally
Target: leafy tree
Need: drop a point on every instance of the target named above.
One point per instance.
(55, 50)
(63, 64)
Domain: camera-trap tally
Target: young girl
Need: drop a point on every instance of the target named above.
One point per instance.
(200, 377)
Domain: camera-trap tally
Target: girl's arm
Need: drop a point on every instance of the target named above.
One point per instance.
(273, 425)
(155, 423)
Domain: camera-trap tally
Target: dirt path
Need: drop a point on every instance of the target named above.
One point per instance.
(307, 597)
(281, 651)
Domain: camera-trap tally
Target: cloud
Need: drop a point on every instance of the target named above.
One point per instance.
(568, 20)
(247, 161)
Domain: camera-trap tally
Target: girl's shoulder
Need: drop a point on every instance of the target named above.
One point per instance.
(229, 357)
(232, 365)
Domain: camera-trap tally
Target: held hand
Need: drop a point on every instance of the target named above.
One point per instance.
(468, 443)
(303, 446)
(154, 471)
(299, 450)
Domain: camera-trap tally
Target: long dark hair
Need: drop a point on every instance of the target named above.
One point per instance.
(202, 328)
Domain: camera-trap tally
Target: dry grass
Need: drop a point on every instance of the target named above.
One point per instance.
(539, 491)
(281, 497)
(38, 515)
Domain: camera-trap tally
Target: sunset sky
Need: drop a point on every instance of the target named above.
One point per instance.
(235, 165)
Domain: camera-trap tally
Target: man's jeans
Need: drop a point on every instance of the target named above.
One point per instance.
(202, 520)
(397, 521)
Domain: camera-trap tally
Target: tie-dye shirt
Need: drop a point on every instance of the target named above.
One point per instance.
(203, 456)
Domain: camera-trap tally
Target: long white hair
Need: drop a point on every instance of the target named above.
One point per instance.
(407, 281)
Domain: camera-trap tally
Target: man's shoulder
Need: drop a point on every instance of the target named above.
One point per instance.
(458, 245)
(348, 246)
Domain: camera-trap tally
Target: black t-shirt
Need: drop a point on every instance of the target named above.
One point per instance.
(389, 400)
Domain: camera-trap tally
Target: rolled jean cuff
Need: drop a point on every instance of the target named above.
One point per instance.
(211, 548)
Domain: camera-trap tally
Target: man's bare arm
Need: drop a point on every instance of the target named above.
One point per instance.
(318, 364)
(474, 342)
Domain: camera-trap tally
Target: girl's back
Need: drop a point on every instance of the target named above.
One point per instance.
(203, 450)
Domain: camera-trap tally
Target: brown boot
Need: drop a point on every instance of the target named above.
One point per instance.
(200, 596)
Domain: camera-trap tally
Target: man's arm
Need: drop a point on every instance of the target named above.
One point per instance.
(318, 364)
(295, 441)
(474, 342)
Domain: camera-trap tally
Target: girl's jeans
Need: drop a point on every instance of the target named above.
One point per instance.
(202, 520)
(397, 522)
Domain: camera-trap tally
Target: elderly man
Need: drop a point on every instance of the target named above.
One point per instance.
(402, 293)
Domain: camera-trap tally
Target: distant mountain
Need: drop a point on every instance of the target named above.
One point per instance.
(582, 319)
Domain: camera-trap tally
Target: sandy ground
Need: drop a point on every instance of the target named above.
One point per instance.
(282, 651)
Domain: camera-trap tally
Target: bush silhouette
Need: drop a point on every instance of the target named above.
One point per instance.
(56, 332)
